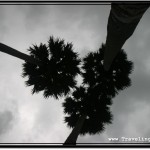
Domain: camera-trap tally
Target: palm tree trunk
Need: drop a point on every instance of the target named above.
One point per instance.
(72, 138)
(120, 28)
(6, 49)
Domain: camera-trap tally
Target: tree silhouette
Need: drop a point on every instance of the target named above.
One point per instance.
(91, 109)
(50, 68)
(59, 67)
(107, 82)
(88, 106)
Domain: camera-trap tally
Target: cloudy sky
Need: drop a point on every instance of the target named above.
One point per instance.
(27, 118)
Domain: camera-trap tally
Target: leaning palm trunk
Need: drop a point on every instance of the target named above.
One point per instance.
(72, 138)
(6, 49)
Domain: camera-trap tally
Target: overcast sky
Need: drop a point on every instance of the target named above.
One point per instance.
(31, 118)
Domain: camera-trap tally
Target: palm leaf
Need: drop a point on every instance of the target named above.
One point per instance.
(60, 65)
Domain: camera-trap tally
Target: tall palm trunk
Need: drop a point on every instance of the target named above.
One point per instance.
(6, 49)
(72, 138)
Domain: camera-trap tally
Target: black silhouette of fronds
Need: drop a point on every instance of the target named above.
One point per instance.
(111, 82)
(85, 101)
(99, 87)
(59, 66)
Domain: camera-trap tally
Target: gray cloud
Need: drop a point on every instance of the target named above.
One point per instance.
(67, 22)
(2, 25)
(6, 118)
(35, 16)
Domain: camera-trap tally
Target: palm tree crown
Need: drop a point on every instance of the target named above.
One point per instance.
(99, 87)
(96, 108)
(59, 66)
(111, 82)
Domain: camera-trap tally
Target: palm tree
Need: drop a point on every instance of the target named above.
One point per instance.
(107, 82)
(88, 112)
(50, 68)
(88, 106)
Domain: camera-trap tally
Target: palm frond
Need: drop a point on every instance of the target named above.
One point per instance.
(110, 82)
(59, 67)
(95, 98)
(85, 101)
